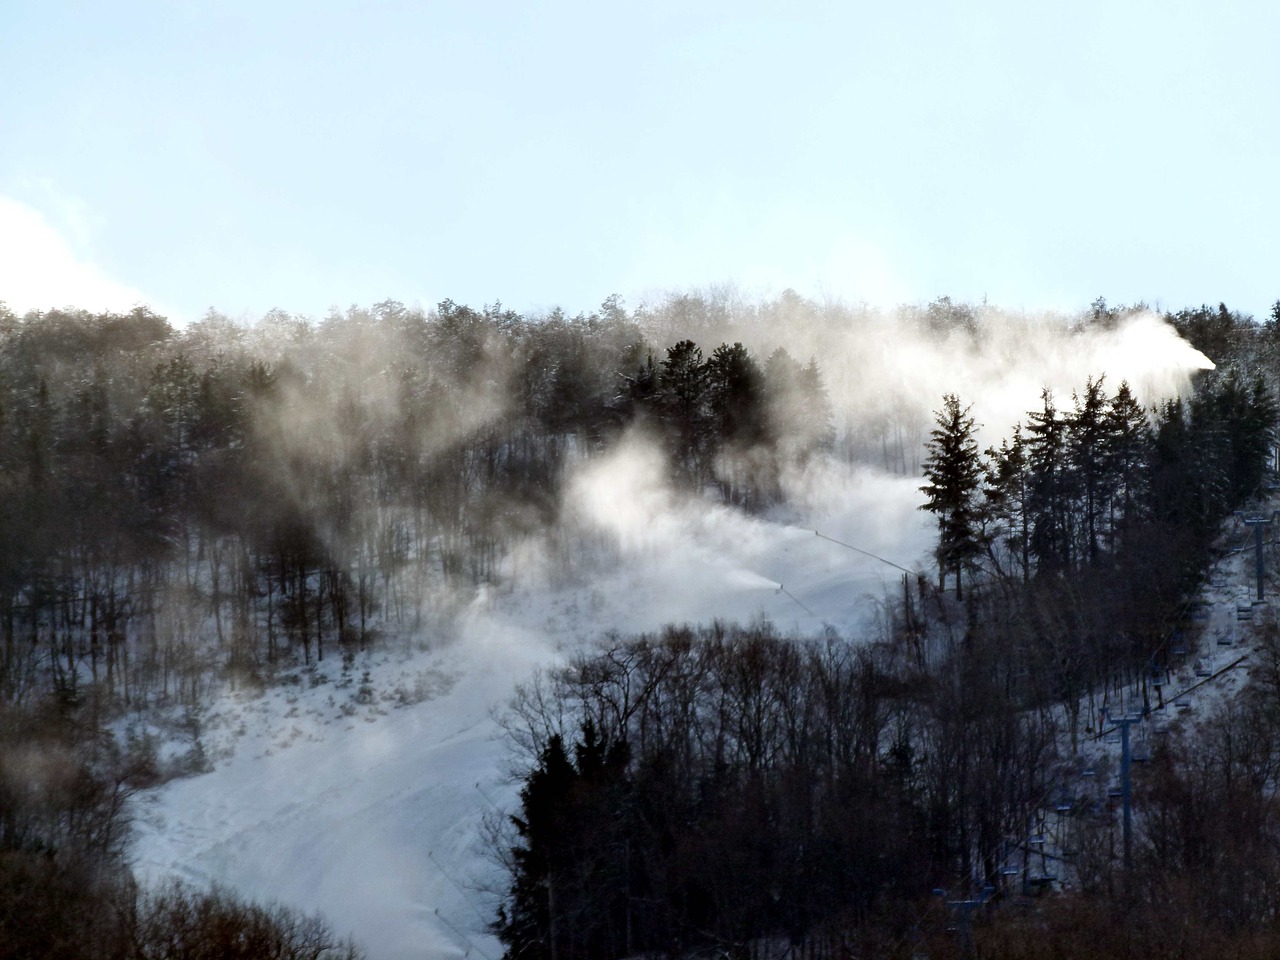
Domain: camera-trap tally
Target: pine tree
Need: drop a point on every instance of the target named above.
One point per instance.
(1050, 499)
(682, 401)
(1007, 494)
(1127, 454)
(1086, 430)
(527, 922)
(736, 402)
(954, 471)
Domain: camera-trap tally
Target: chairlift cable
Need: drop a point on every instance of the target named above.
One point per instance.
(1209, 679)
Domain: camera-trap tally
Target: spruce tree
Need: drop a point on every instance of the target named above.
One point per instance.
(954, 471)
(1007, 494)
(527, 922)
(1127, 454)
(1050, 500)
(1086, 429)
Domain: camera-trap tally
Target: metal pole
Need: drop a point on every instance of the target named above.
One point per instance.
(1258, 562)
(1126, 783)
(1257, 554)
(1126, 793)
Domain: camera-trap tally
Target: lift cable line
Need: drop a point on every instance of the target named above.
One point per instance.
(867, 553)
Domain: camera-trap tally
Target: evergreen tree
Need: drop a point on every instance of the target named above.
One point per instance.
(735, 388)
(954, 470)
(1127, 455)
(1050, 490)
(682, 402)
(571, 871)
(527, 921)
(1007, 494)
(1086, 438)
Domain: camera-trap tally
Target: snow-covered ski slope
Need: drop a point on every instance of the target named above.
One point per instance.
(363, 793)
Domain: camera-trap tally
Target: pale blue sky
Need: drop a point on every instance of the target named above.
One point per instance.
(246, 155)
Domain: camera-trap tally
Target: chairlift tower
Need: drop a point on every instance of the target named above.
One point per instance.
(1126, 784)
(1259, 565)
(963, 910)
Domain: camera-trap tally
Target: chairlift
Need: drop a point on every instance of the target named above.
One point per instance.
(1115, 790)
(1112, 738)
(1182, 706)
(1088, 772)
(1036, 840)
(1203, 669)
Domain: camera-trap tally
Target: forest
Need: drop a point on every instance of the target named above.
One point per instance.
(191, 508)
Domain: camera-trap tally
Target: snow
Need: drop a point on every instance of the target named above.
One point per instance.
(363, 793)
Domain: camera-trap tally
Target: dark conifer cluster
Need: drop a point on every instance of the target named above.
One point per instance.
(728, 421)
(725, 788)
(1078, 489)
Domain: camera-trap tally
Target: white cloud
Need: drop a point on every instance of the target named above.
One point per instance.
(40, 269)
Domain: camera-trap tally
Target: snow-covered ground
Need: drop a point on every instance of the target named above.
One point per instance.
(362, 793)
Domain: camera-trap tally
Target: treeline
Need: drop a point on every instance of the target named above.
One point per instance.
(1085, 534)
(180, 501)
(176, 502)
(1076, 489)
